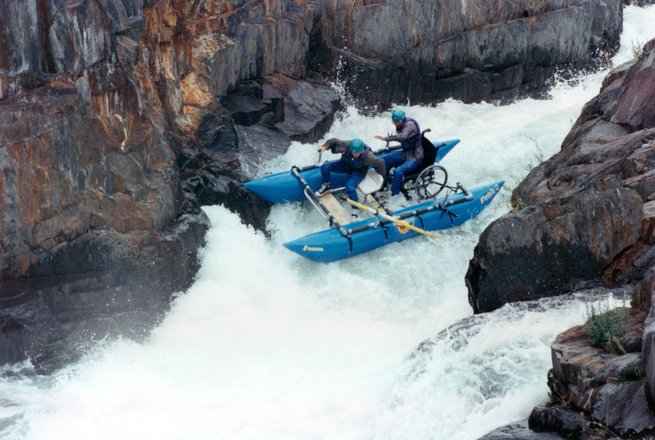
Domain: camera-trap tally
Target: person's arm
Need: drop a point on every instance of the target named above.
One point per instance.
(334, 145)
(377, 163)
(408, 130)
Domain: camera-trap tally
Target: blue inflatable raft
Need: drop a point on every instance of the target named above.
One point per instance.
(341, 240)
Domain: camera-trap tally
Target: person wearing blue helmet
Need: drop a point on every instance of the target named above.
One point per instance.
(408, 133)
(356, 159)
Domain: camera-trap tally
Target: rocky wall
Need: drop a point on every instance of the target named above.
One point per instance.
(395, 51)
(594, 391)
(108, 150)
(612, 141)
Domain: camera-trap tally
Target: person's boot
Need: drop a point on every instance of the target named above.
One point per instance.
(323, 189)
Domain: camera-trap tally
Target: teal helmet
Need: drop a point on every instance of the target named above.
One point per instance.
(398, 115)
(356, 145)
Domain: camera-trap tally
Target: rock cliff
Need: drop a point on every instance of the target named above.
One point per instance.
(120, 118)
(470, 50)
(585, 219)
(112, 135)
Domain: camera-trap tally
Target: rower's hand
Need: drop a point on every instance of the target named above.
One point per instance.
(321, 149)
(380, 137)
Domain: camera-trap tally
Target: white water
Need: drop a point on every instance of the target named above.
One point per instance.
(267, 345)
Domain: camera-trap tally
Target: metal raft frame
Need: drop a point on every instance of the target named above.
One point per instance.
(348, 232)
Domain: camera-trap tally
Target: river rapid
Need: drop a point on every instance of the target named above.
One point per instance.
(267, 345)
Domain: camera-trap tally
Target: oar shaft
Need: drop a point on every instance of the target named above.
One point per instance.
(393, 219)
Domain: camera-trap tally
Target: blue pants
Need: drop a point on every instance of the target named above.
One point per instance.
(354, 177)
(402, 167)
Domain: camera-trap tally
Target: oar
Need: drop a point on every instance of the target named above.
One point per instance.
(397, 221)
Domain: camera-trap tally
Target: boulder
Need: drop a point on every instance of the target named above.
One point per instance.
(309, 106)
(567, 422)
(551, 247)
(624, 409)
(566, 230)
(595, 385)
(518, 431)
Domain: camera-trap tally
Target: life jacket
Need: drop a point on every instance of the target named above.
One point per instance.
(356, 163)
(413, 142)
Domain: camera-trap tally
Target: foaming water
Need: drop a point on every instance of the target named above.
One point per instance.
(269, 345)
(638, 29)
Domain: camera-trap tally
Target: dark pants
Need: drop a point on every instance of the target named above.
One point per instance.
(354, 177)
(401, 167)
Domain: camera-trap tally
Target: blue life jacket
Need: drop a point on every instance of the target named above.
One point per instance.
(413, 142)
(356, 163)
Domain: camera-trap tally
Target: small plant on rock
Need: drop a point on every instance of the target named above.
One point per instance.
(538, 155)
(603, 324)
(637, 50)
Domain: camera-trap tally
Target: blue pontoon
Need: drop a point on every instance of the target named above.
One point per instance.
(342, 239)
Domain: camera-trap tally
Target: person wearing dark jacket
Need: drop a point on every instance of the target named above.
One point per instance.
(356, 159)
(408, 133)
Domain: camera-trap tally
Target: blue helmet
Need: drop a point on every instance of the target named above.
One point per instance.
(398, 115)
(357, 145)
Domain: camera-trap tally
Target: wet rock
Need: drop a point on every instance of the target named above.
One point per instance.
(547, 248)
(291, 110)
(566, 422)
(600, 386)
(258, 144)
(518, 432)
(232, 145)
(211, 171)
(646, 291)
(245, 104)
(218, 136)
(634, 108)
(99, 285)
(604, 146)
(309, 107)
(427, 52)
(623, 408)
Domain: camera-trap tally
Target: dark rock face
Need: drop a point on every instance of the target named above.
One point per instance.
(585, 218)
(518, 432)
(607, 387)
(121, 286)
(648, 339)
(549, 247)
(394, 51)
(639, 2)
(566, 422)
(111, 137)
(609, 150)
